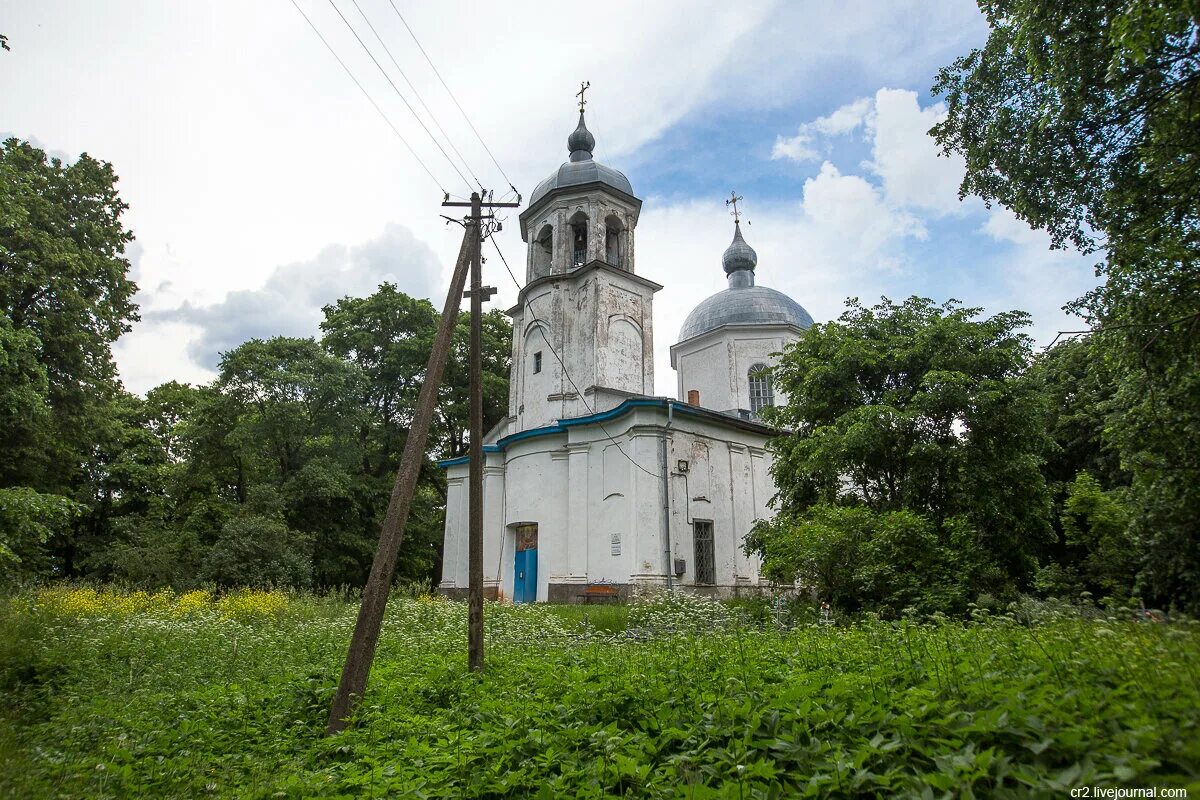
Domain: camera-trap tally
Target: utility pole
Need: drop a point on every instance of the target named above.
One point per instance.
(478, 294)
(379, 584)
(375, 594)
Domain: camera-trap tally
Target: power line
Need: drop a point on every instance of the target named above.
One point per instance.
(452, 97)
(370, 99)
(417, 94)
(399, 93)
(542, 330)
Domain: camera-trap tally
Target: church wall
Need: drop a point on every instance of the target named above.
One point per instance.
(598, 322)
(536, 491)
(726, 483)
(718, 364)
(600, 517)
(751, 350)
(707, 370)
(455, 559)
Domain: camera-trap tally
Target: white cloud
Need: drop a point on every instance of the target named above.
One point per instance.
(797, 148)
(842, 121)
(905, 156)
(288, 304)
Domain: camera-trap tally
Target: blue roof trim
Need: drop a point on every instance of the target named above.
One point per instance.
(450, 462)
(604, 416)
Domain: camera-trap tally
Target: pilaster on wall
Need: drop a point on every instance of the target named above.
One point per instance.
(579, 512)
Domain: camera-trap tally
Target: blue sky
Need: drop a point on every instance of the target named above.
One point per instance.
(262, 184)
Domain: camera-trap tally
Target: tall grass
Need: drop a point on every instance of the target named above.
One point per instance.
(675, 697)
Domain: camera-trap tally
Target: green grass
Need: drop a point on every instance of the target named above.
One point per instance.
(153, 704)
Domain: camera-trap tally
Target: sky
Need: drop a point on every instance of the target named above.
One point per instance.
(263, 185)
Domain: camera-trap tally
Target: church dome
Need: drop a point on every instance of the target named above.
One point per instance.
(743, 303)
(581, 168)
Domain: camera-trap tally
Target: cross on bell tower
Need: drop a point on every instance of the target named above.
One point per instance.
(733, 200)
(583, 87)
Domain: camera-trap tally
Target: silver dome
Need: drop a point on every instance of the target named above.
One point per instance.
(738, 255)
(581, 169)
(744, 305)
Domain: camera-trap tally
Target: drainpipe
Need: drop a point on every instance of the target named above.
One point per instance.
(667, 497)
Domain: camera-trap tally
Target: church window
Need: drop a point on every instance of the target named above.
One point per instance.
(762, 394)
(537, 362)
(706, 561)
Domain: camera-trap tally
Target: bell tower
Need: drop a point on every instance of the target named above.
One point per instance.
(583, 325)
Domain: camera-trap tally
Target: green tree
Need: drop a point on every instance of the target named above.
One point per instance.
(856, 558)
(64, 280)
(920, 408)
(1097, 523)
(388, 336)
(25, 421)
(1084, 119)
(27, 521)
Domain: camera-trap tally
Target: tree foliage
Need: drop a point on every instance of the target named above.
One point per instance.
(65, 291)
(917, 408)
(1084, 119)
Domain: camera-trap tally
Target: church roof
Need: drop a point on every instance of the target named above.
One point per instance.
(580, 169)
(743, 303)
(676, 407)
(748, 305)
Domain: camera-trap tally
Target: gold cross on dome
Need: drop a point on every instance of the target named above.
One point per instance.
(734, 197)
(583, 87)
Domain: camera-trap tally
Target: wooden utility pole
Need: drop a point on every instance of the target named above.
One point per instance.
(478, 294)
(375, 594)
(379, 584)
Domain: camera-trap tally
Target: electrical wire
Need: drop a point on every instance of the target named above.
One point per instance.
(400, 94)
(452, 97)
(542, 330)
(417, 94)
(370, 99)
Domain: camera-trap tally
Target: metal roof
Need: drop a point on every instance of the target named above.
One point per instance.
(744, 305)
(581, 169)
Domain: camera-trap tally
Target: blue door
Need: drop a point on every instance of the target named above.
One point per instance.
(525, 565)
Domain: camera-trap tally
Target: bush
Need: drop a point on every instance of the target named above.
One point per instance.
(259, 552)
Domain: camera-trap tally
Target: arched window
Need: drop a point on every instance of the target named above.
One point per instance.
(579, 239)
(613, 246)
(543, 249)
(762, 395)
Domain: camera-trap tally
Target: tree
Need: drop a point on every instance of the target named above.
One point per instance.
(388, 336)
(64, 280)
(1084, 119)
(27, 520)
(25, 421)
(919, 408)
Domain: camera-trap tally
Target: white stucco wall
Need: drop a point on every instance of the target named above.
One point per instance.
(600, 321)
(717, 364)
(582, 491)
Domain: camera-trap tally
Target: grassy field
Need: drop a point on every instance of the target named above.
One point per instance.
(110, 695)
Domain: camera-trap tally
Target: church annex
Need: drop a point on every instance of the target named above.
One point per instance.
(592, 485)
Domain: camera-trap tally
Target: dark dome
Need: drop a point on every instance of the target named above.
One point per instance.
(581, 168)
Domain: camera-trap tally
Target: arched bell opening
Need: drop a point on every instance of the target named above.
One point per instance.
(543, 251)
(579, 239)
(614, 241)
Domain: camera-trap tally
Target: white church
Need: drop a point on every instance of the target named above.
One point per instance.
(592, 485)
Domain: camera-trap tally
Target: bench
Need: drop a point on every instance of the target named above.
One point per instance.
(600, 593)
